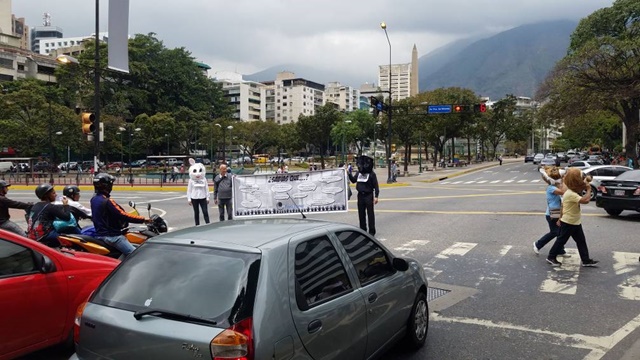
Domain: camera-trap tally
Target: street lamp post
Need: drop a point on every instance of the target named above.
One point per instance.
(375, 142)
(383, 25)
(224, 141)
(343, 136)
(167, 136)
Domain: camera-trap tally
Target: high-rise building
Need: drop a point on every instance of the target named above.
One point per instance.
(291, 97)
(346, 97)
(21, 30)
(46, 31)
(404, 78)
(245, 97)
(5, 17)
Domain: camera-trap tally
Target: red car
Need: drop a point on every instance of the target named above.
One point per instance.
(40, 291)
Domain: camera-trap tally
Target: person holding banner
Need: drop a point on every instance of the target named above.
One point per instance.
(368, 191)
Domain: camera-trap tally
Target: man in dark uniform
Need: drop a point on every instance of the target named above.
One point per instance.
(368, 191)
(5, 205)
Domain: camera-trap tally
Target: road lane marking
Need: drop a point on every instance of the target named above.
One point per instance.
(482, 182)
(456, 182)
(522, 181)
(493, 213)
(563, 279)
(470, 182)
(410, 246)
(508, 181)
(624, 263)
(495, 181)
(457, 249)
(598, 345)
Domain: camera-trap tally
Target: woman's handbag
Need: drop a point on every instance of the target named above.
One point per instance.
(555, 213)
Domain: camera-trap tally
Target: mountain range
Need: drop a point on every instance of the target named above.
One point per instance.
(514, 62)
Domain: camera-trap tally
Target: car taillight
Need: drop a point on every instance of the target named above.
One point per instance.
(76, 322)
(235, 342)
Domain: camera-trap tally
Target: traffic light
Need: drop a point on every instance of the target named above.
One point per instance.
(480, 107)
(460, 108)
(88, 123)
(377, 105)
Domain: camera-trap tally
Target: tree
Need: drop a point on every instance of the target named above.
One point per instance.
(316, 129)
(601, 69)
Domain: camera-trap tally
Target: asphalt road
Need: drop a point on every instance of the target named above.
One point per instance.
(493, 297)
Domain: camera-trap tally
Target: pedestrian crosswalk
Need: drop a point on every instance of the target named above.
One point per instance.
(480, 182)
(487, 264)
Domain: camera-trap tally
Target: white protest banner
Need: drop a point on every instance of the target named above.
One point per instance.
(322, 191)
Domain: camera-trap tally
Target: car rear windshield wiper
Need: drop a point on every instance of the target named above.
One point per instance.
(172, 315)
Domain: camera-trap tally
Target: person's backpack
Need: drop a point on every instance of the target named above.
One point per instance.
(35, 228)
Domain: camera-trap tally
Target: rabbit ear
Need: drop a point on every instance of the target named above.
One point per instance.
(191, 161)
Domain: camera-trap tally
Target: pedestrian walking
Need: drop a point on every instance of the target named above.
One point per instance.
(223, 193)
(198, 191)
(394, 171)
(500, 159)
(554, 192)
(571, 218)
(5, 205)
(368, 191)
(182, 172)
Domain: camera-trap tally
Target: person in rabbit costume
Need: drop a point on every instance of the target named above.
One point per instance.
(198, 191)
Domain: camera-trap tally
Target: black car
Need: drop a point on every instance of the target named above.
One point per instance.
(619, 194)
(528, 158)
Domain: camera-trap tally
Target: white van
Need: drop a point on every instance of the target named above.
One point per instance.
(5, 166)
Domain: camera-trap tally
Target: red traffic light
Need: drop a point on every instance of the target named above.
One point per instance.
(457, 108)
(480, 107)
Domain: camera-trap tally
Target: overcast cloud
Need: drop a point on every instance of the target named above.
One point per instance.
(250, 35)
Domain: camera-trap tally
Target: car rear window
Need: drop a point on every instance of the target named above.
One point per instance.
(213, 284)
(633, 175)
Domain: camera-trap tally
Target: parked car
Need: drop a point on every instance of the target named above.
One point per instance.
(24, 167)
(138, 163)
(42, 166)
(538, 158)
(40, 290)
(280, 288)
(528, 158)
(599, 173)
(619, 194)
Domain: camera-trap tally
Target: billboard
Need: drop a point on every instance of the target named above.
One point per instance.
(323, 191)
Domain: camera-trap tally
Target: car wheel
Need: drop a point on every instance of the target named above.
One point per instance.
(613, 212)
(418, 324)
(594, 191)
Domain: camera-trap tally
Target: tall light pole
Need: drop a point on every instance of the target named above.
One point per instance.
(224, 140)
(344, 129)
(375, 142)
(383, 25)
(167, 136)
(96, 100)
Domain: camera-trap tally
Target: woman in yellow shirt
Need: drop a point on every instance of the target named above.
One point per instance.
(570, 218)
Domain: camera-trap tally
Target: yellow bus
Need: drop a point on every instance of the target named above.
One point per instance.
(260, 158)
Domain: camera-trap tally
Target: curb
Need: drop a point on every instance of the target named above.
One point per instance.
(115, 188)
(459, 173)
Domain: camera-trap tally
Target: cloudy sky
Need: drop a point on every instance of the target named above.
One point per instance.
(250, 35)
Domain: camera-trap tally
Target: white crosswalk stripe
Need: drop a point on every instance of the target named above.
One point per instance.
(563, 280)
(522, 181)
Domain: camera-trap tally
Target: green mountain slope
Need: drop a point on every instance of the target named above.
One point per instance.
(512, 62)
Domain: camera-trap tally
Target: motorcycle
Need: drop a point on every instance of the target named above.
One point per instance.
(136, 235)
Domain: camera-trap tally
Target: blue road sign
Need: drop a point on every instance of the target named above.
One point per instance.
(439, 109)
(379, 106)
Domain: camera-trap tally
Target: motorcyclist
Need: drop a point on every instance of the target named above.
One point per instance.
(44, 213)
(109, 218)
(5, 205)
(78, 210)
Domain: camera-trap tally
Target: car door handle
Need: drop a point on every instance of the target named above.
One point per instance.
(372, 298)
(314, 326)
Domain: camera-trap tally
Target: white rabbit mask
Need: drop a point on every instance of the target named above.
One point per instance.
(197, 173)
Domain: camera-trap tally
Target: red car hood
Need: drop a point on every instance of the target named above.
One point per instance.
(94, 259)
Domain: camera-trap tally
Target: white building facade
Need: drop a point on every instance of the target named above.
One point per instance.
(291, 98)
(403, 80)
(245, 97)
(346, 97)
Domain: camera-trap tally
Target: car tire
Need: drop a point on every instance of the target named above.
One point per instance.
(594, 191)
(418, 323)
(613, 212)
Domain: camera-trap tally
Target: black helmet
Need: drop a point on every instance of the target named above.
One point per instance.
(42, 190)
(70, 190)
(103, 183)
(4, 184)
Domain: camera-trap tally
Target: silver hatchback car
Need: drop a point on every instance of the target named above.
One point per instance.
(256, 289)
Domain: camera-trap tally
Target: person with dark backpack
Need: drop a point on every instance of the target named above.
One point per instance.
(44, 213)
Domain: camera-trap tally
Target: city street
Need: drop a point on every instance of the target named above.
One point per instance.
(491, 297)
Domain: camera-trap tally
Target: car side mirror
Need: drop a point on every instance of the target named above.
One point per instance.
(148, 206)
(44, 264)
(400, 264)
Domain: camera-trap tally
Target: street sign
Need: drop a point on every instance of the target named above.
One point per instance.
(439, 109)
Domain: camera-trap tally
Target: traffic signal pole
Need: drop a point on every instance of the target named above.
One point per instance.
(96, 100)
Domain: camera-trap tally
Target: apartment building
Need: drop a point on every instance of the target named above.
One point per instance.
(346, 97)
(16, 63)
(245, 97)
(291, 97)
